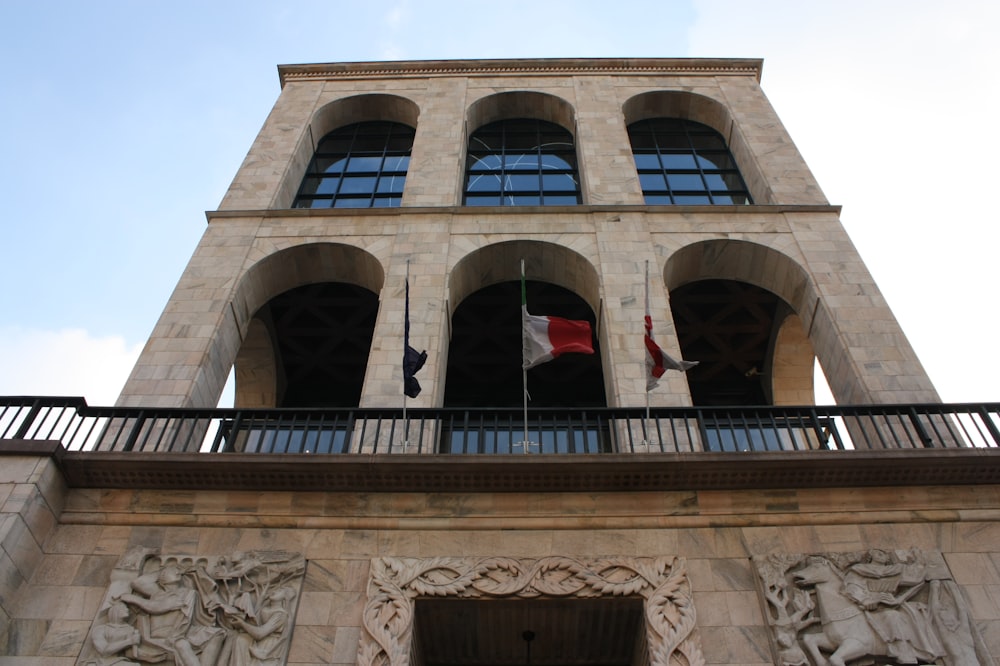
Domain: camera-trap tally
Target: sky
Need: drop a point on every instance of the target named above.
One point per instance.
(122, 122)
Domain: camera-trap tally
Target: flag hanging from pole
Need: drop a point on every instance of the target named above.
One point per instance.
(545, 338)
(657, 362)
(412, 359)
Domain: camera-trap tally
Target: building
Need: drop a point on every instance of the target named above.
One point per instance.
(719, 518)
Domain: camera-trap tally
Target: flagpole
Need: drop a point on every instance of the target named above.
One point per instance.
(647, 388)
(524, 370)
(406, 324)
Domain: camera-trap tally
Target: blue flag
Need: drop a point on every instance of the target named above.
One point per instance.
(412, 359)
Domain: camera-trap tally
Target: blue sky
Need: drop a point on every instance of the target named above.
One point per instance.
(122, 122)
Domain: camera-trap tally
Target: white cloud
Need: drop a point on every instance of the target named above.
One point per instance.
(69, 362)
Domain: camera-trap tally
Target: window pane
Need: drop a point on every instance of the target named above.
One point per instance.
(517, 183)
(357, 164)
(523, 200)
(396, 163)
(329, 164)
(477, 200)
(390, 184)
(386, 202)
(357, 184)
(335, 145)
(521, 161)
(483, 183)
(657, 199)
(352, 202)
(558, 183)
(715, 161)
(484, 162)
(678, 161)
(673, 142)
(564, 161)
(707, 142)
(652, 182)
(691, 199)
(646, 161)
(685, 181)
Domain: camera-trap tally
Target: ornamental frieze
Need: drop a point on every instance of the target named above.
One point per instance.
(874, 606)
(396, 583)
(233, 610)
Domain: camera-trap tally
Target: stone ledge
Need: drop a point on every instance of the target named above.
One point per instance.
(534, 473)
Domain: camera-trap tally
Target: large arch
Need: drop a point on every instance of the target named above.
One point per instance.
(707, 111)
(320, 275)
(335, 114)
(484, 310)
(521, 104)
(731, 284)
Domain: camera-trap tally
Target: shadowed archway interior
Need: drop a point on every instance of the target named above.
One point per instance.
(484, 359)
(322, 334)
(729, 328)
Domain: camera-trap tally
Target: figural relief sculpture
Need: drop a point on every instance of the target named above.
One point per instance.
(839, 609)
(395, 584)
(235, 610)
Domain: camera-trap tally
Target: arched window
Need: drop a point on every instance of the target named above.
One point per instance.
(521, 162)
(358, 166)
(683, 162)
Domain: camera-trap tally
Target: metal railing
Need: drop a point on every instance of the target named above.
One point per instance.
(79, 427)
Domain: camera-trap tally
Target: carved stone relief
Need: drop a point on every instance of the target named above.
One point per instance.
(874, 606)
(234, 610)
(396, 583)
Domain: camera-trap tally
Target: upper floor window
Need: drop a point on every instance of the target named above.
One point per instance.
(521, 162)
(358, 166)
(683, 162)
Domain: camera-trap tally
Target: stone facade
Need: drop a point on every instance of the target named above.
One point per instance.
(790, 242)
(116, 572)
(68, 569)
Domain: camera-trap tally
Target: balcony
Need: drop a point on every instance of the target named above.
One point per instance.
(440, 449)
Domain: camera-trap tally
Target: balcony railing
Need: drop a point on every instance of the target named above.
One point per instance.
(80, 428)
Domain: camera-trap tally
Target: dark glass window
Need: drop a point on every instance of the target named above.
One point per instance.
(358, 166)
(521, 162)
(683, 162)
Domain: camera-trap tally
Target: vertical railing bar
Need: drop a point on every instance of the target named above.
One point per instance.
(28, 419)
(990, 426)
(177, 433)
(817, 428)
(78, 421)
(968, 435)
(979, 419)
(925, 439)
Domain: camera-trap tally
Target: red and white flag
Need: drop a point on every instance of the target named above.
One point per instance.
(546, 338)
(658, 362)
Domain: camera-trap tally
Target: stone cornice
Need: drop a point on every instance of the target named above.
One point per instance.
(540, 473)
(523, 67)
(513, 211)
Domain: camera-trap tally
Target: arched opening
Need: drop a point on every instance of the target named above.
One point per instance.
(728, 327)
(733, 184)
(521, 151)
(484, 359)
(321, 334)
(310, 316)
(744, 311)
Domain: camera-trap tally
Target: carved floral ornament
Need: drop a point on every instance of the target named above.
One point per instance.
(234, 610)
(396, 583)
(874, 606)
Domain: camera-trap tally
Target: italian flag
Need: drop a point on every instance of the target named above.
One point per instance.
(546, 338)
(657, 361)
